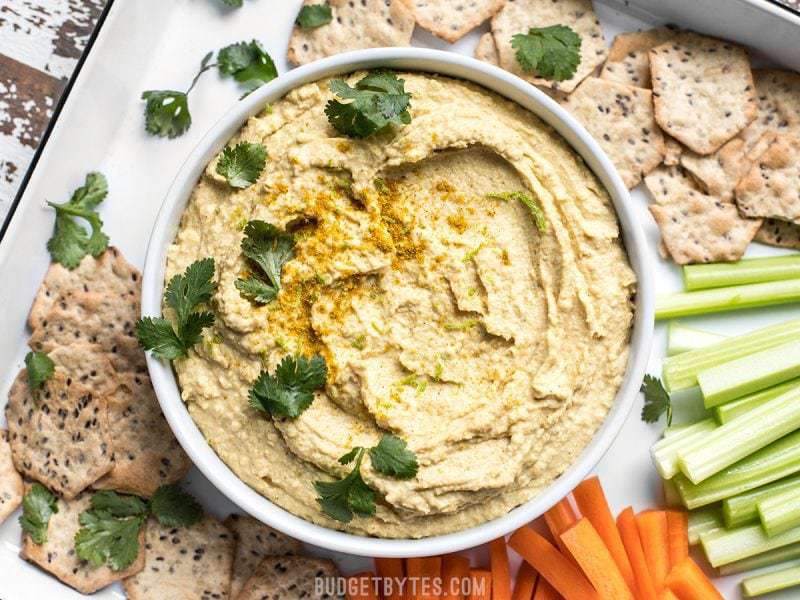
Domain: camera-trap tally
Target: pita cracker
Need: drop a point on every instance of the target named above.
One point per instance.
(778, 95)
(289, 578)
(518, 16)
(486, 50)
(628, 62)
(57, 554)
(779, 233)
(450, 20)
(620, 118)
(703, 91)
(771, 188)
(11, 489)
(356, 25)
(672, 151)
(190, 563)
(254, 542)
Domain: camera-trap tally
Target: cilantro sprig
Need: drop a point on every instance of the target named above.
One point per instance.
(242, 165)
(377, 101)
(290, 391)
(536, 211)
(552, 52)
(268, 249)
(184, 293)
(312, 16)
(248, 63)
(70, 242)
(39, 367)
(656, 400)
(38, 505)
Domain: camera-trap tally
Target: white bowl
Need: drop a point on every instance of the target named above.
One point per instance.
(415, 59)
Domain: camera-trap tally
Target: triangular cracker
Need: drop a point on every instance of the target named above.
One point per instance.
(779, 233)
(486, 50)
(452, 20)
(290, 578)
(11, 489)
(628, 62)
(771, 188)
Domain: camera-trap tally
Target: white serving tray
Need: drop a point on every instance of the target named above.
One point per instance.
(152, 44)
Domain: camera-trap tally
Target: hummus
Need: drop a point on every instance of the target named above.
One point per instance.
(445, 316)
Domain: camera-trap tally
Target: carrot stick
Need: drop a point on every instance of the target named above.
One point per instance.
(526, 582)
(560, 518)
(455, 575)
(545, 591)
(677, 536)
(422, 572)
(688, 582)
(480, 584)
(592, 503)
(501, 573)
(666, 594)
(361, 586)
(564, 576)
(392, 573)
(626, 522)
(652, 527)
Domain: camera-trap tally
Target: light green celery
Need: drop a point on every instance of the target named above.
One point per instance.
(730, 410)
(680, 372)
(685, 304)
(767, 559)
(665, 452)
(780, 512)
(778, 460)
(741, 437)
(749, 374)
(702, 521)
(674, 430)
(783, 579)
(682, 339)
(744, 542)
(742, 510)
(751, 270)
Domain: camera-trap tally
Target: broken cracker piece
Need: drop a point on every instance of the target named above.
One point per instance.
(289, 578)
(778, 94)
(628, 62)
(771, 188)
(486, 50)
(450, 20)
(11, 488)
(672, 151)
(667, 183)
(719, 173)
(779, 233)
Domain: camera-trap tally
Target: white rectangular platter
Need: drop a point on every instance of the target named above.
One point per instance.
(152, 44)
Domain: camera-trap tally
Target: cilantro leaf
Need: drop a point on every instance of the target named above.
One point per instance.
(350, 495)
(38, 505)
(166, 113)
(291, 390)
(118, 505)
(242, 165)
(70, 242)
(39, 367)
(247, 63)
(268, 248)
(157, 335)
(536, 211)
(392, 457)
(378, 100)
(233, 3)
(175, 508)
(312, 16)
(104, 538)
(552, 52)
(656, 400)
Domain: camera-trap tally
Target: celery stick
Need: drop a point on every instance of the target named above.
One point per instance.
(680, 372)
(665, 451)
(685, 304)
(681, 339)
(704, 520)
(736, 544)
(730, 410)
(672, 498)
(742, 436)
(778, 460)
(748, 374)
(751, 270)
(785, 578)
(780, 512)
(767, 559)
(742, 510)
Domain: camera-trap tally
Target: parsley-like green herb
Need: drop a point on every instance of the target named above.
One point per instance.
(290, 390)
(350, 495)
(247, 63)
(175, 508)
(393, 458)
(656, 400)
(536, 211)
(378, 100)
(268, 249)
(117, 505)
(233, 3)
(70, 242)
(312, 16)
(39, 367)
(552, 52)
(184, 293)
(38, 505)
(242, 165)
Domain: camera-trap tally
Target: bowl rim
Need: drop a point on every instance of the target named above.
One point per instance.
(505, 84)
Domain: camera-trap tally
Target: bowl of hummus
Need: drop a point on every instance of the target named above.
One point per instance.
(427, 329)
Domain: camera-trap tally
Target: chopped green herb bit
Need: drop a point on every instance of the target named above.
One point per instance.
(38, 505)
(464, 325)
(312, 16)
(39, 367)
(359, 343)
(536, 211)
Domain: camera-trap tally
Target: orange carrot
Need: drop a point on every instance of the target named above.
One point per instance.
(560, 518)
(592, 503)
(677, 536)
(392, 573)
(501, 573)
(361, 586)
(545, 591)
(652, 525)
(455, 574)
(564, 576)
(526, 582)
(480, 584)
(666, 594)
(422, 573)
(688, 582)
(626, 522)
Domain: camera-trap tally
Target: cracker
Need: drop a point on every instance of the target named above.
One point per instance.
(190, 563)
(355, 25)
(628, 61)
(86, 364)
(60, 436)
(57, 554)
(719, 173)
(771, 188)
(254, 542)
(11, 490)
(672, 151)
(289, 578)
(450, 20)
(779, 233)
(620, 118)
(486, 50)
(778, 95)
(518, 16)
(703, 90)
(146, 453)
(667, 183)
